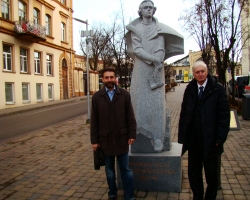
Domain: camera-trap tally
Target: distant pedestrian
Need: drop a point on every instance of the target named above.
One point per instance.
(203, 129)
(113, 129)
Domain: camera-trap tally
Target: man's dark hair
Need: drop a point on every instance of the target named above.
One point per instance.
(108, 69)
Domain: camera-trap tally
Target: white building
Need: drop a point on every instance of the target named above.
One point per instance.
(36, 51)
(245, 20)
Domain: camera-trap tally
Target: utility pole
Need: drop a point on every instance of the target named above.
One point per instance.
(87, 34)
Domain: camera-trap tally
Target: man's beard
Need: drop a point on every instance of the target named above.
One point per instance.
(109, 85)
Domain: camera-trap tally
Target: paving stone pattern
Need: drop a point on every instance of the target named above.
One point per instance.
(57, 163)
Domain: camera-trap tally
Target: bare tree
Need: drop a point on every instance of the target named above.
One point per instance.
(219, 22)
(194, 21)
(168, 73)
(235, 57)
(97, 46)
(118, 49)
(108, 44)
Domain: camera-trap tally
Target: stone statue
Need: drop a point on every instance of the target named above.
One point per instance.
(149, 44)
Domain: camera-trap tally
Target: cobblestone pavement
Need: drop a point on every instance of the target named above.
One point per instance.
(56, 162)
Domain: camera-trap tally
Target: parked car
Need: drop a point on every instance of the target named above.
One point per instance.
(239, 84)
(247, 87)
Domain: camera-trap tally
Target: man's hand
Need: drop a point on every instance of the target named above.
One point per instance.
(95, 146)
(131, 141)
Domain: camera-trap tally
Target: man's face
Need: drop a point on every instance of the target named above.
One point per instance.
(147, 10)
(108, 79)
(200, 74)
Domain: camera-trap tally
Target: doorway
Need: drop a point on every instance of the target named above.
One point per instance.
(65, 78)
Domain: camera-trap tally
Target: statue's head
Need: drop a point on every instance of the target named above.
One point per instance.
(142, 6)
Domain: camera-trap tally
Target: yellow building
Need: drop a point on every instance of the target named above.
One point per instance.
(36, 51)
(80, 77)
(181, 70)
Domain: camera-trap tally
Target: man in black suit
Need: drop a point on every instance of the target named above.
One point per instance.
(203, 128)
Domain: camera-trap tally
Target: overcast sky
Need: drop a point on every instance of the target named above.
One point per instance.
(98, 11)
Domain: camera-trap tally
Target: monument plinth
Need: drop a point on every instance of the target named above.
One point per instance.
(160, 172)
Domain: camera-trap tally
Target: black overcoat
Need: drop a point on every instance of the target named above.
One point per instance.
(112, 123)
(215, 116)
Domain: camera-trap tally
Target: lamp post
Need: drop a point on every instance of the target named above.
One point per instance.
(86, 34)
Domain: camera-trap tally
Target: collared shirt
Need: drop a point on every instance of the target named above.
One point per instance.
(110, 93)
(204, 85)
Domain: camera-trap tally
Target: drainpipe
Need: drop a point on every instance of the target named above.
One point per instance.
(73, 74)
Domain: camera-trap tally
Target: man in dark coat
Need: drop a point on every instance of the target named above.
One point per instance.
(113, 129)
(203, 129)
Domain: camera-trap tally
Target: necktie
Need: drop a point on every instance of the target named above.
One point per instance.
(201, 91)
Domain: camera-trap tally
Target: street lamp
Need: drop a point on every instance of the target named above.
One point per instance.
(87, 34)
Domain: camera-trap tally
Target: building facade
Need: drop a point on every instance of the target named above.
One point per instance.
(181, 70)
(80, 77)
(245, 20)
(36, 51)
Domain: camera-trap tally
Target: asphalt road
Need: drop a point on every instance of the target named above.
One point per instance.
(15, 125)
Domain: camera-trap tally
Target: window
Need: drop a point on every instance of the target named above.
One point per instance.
(64, 63)
(63, 2)
(50, 91)
(63, 32)
(23, 60)
(39, 92)
(6, 9)
(7, 57)
(21, 11)
(25, 92)
(49, 64)
(48, 24)
(37, 59)
(9, 92)
(36, 15)
(237, 72)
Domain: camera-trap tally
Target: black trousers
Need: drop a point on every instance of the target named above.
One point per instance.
(196, 162)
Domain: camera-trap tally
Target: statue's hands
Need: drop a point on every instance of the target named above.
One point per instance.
(158, 64)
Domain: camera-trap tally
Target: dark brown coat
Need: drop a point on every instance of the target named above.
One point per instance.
(112, 123)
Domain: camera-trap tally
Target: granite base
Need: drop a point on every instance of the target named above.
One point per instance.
(160, 172)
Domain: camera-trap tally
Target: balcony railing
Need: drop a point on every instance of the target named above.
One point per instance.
(29, 27)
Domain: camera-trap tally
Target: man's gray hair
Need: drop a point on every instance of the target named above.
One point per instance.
(140, 7)
(199, 64)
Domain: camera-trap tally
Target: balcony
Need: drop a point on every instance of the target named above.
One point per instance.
(29, 30)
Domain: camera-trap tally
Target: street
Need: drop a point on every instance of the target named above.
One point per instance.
(16, 125)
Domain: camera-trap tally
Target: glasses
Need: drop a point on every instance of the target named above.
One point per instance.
(147, 7)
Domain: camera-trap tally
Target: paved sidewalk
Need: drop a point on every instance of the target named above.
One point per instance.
(56, 162)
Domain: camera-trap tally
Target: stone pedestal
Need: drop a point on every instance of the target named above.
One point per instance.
(160, 172)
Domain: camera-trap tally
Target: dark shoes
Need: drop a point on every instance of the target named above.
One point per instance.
(112, 198)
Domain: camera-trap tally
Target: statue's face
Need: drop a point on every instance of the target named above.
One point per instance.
(147, 10)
